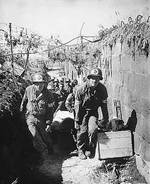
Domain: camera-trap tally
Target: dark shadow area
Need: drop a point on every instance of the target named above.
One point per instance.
(63, 135)
(115, 124)
(102, 138)
(131, 125)
(18, 158)
(132, 121)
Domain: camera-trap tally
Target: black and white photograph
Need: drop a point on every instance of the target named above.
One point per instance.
(74, 91)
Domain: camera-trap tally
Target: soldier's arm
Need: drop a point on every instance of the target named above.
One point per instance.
(68, 102)
(24, 102)
(105, 110)
(50, 107)
(78, 104)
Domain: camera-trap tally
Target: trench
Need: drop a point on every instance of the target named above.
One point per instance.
(21, 164)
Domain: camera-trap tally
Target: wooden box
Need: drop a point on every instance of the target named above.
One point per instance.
(114, 145)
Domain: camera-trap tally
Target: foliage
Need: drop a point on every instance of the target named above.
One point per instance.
(11, 90)
(135, 33)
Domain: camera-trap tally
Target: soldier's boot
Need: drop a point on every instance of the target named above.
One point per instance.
(92, 148)
(88, 153)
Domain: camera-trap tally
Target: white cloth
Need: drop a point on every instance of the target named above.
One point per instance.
(61, 115)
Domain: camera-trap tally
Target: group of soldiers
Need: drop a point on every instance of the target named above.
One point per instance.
(42, 100)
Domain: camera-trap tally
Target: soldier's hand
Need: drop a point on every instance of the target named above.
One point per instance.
(48, 128)
(70, 110)
(102, 124)
(77, 125)
(21, 109)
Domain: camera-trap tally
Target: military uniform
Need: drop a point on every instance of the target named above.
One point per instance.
(87, 102)
(39, 113)
(69, 104)
(61, 97)
(68, 88)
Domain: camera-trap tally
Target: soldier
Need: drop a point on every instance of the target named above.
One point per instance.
(69, 104)
(71, 97)
(38, 103)
(56, 84)
(61, 97)
(68, 86)
(51, 86)
(89, 97)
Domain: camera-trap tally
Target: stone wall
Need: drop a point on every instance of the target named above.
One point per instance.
(127, 76)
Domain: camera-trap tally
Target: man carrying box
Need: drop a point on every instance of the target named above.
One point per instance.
(88, 98)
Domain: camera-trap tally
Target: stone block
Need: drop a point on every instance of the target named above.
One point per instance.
(134, 102)
(142, 146)
(117, 49)
(141, 125)
(126, 63)
(125, 112)
(145, 107)
(137, 142)
(131, 82)
(138, 83)
(145, 86)
(140, 65)
(143, 168)
(116, 63)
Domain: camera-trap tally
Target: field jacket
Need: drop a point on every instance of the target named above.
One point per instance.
(40, 106)
(87, 99)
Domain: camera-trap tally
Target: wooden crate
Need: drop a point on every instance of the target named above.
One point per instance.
(113, 145)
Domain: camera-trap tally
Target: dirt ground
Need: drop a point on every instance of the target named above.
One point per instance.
(63, 169)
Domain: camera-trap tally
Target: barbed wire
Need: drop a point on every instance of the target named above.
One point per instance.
(56, 47)
(85, 37)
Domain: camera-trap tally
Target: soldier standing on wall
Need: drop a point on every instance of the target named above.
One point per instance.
(89, 97)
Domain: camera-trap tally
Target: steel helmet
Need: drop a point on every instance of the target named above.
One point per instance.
(62, 80)
(67, 80)
(95, 72)
(56, 80)
(38, 78)
(52, 78)
(75, 82)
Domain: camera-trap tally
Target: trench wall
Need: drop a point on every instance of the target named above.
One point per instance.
(127, 77)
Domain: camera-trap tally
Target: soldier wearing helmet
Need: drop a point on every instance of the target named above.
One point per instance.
(56, 84)
(74, 83)
(89, 97)
(68, 86)
(37, 104)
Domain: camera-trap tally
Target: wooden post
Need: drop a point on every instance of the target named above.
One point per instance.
(12, 56)
(26, 63)
(81, 37)
(117, 105)
(11, 47)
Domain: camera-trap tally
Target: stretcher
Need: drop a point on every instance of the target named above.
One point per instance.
(63, 121)
(62, 115)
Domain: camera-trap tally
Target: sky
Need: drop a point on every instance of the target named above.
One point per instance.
(64, 18)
